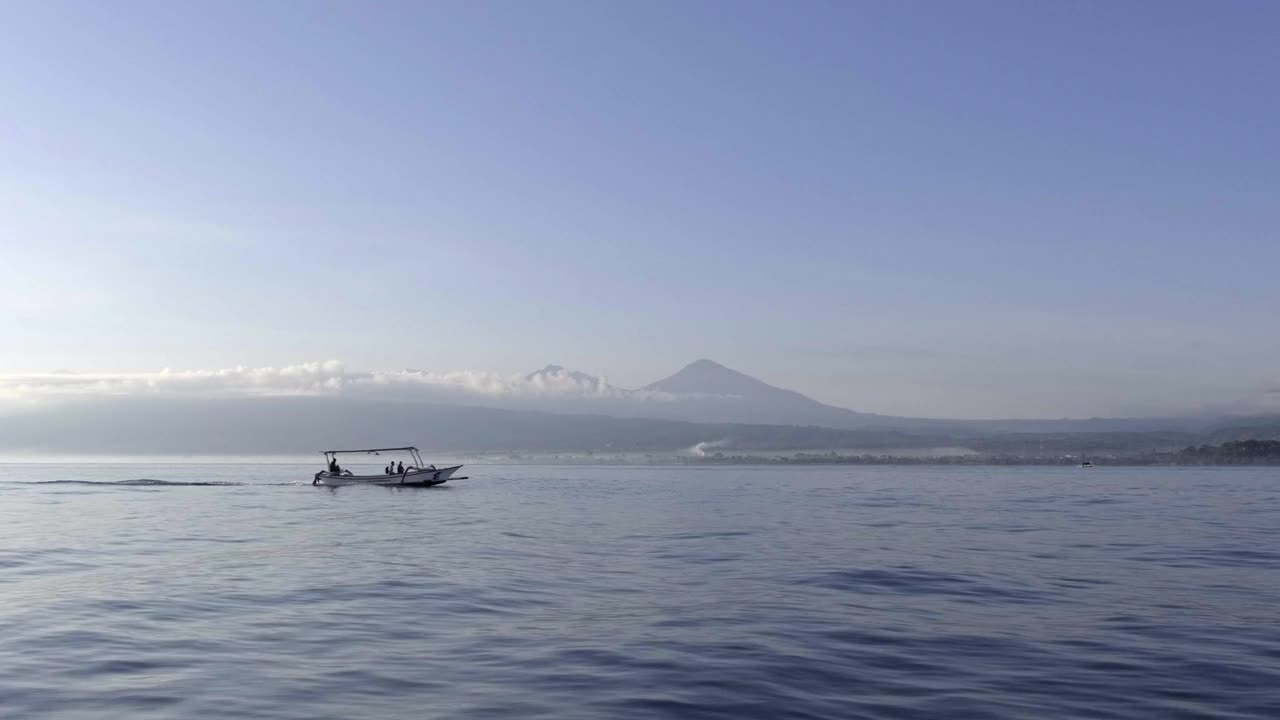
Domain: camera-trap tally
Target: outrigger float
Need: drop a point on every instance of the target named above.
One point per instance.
(419, 474)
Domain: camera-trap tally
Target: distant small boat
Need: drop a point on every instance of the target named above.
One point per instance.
(1084, 461)
(419, 474)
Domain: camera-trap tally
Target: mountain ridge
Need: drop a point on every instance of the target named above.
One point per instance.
(302, 424)
(706, 391)
(715, 392)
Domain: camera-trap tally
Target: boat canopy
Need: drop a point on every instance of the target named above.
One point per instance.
(374, 451)
(368, 450)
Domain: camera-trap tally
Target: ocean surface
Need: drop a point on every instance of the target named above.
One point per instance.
(240, 591)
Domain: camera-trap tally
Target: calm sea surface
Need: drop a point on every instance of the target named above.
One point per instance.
(656, 592)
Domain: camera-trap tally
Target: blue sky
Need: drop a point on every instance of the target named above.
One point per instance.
(953, 209)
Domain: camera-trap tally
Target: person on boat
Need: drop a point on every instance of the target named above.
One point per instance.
(333, 466)
(387, 470)
(400, 468)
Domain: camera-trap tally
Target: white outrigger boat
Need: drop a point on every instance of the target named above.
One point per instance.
(418, 474)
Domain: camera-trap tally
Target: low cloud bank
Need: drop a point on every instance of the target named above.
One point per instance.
(552, 388)
(329, 378)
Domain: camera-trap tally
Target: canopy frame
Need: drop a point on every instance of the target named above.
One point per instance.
(330, 455)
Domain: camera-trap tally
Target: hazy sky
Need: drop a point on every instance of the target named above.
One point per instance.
(951, 209)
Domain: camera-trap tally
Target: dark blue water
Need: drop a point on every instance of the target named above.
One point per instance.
(610, 592)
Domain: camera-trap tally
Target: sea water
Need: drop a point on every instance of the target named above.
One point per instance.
(241, 591)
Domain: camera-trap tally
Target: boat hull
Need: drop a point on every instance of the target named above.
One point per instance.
(410, 478)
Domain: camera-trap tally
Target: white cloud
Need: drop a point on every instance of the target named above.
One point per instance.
(540, 384)
(311, 379)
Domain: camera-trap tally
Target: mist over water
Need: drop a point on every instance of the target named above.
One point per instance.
(237, 590)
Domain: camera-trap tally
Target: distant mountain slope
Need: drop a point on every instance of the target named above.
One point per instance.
(708, 376)
(707, 391)
(308, 424)
(554, 409)
(712, 378)
(134, 425)
(711, 392)
(1260, 427)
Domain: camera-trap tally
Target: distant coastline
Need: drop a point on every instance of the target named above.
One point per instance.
(1246, 452)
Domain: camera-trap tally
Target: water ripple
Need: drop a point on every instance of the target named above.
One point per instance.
(1009, 594)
